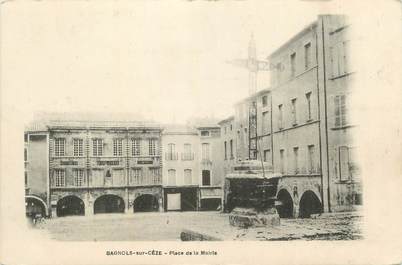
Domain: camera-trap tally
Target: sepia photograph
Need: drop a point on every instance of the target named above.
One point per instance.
(281, 166)
(149, 124)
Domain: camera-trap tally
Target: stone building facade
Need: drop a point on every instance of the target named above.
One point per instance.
(192, 168)
(181, 168)
(211, 167)
(100, 167)
(300, 124)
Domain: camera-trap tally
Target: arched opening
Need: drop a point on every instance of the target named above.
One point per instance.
(146, 203)
(285, 207)
(70, 205)
(34, 206)
(309, 204)
(109, 204)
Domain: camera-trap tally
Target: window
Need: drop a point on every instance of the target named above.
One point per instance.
(26, 178)
(25, 155)
(206, 178)
(135, 176)
(231, 149)
(296, 159)
(307, 56)
(311, 162)
(171, 154)
(171, 177)
(282, 160)
(267, 155)
(60, 180)
(204, 133)
(231, 127)
(264, 101)
(308, 99)
(294, 114)
(152, 147)
(136, 147)
(97, 147)
(117, 147)
(78, 177)
(188, 178)
(78, 149)
(340, 111)
(187, 155)
(59, 146)
(338, 58)
(344, 172)
(108, 174)
(155, 174)
(293, 64)
(226, 151)
(280, 116)
(265, 122)
(205, 151)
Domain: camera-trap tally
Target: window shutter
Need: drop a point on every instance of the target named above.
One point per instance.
(337, 111)
(343, 109)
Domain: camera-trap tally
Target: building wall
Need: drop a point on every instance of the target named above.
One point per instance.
(37, 165)
(180, 161)
(108, 173)
(312, 71)
(228, 134)
(215, 162)
(344, 176)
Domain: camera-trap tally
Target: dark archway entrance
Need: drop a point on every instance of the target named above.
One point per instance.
(109, 204)
(34, 206)
(146, 203)
(309, 204)
(285, 209)
(70, 205)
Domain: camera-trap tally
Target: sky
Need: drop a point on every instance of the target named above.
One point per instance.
(163, 61)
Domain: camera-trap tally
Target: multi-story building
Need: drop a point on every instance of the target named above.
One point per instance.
(181, 168)
(192, 172)
(211, 167)
(300, 123)
(228, 138)
(78, 168)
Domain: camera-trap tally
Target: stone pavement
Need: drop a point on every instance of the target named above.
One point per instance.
(169, 226)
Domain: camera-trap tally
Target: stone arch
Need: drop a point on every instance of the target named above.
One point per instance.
(109, 203)
(35, 205)
(146, 203)
(309, 204)
(70, 205)
(285, 209)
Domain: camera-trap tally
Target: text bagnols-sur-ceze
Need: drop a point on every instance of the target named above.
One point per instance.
(160, 253)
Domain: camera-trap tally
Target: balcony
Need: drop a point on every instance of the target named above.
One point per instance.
(171, 156)
(187, 156)
(108, 182)
(145, 180)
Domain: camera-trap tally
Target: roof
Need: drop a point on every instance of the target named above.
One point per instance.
(179, 130)
(83, 124)
(292, 39)
(208, 127)
(230, 118)
(253, 96)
